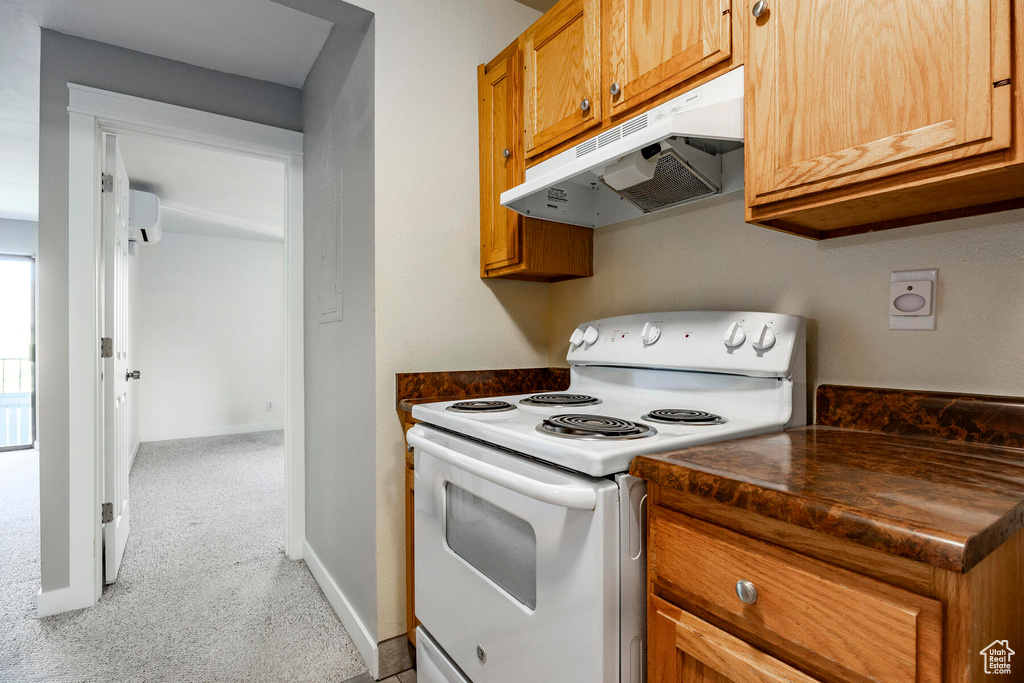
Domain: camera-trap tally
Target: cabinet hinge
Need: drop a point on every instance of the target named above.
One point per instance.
(1005, 81)
(106, 347)
(106, 183)
(107, 513)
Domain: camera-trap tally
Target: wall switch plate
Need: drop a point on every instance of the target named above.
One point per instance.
(912, 303)
(270, 406)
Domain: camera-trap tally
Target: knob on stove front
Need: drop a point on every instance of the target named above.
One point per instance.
(577, 338)
(591, 335)
(650, 334)
(735, 336)
(764, 340)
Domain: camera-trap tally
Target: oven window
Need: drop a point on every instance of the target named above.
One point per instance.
(498, 544)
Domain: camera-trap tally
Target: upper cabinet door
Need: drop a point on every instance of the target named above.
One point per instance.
(651, 45)
(843, 92)
(562, 84)
(500, 159)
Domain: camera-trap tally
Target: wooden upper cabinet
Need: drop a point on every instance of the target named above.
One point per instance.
(844, 92)
(514, 246)
(500, 156)
(650, 45)
(562, 74)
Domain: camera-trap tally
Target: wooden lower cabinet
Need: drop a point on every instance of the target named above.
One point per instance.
(685, 649)
(816, 608)
(410, 567)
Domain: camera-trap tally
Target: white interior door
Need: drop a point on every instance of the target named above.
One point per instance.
(115, 368)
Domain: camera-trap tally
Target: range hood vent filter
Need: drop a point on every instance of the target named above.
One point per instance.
(674, 182)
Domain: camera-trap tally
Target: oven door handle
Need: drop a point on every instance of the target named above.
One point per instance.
(574, 496)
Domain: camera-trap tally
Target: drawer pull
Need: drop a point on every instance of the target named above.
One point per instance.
(746, 592)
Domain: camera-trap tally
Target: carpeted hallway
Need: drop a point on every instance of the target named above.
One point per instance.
(205, 592)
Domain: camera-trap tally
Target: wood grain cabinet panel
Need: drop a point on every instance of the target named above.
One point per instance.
(513, 246)
(685, 649)
(650, 45)
(843, 92)
(828, 619)
(562, 70)
(498, 122)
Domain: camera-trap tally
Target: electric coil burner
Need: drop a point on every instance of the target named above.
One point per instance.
(480, 407)
(593, 427)
(560, 400)
(684, 417)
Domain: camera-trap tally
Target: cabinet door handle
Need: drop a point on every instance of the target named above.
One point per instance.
(506, 154)
(760, 9)
(615, 89)
(585, 104)
(746, 592)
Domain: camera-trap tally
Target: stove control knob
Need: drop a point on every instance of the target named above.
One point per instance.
(735, 336)
(591, 335)
(650, 334)
(764, 340)
(577, 338)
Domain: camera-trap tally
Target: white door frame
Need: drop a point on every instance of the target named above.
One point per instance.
(92, 112)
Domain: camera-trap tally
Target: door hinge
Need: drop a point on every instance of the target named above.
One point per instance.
(106, 347)
(1005, 81)
(107, 513)
(106, 182)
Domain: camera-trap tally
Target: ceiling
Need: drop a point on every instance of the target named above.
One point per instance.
(206, 191)
(255, 38)
(539, 5)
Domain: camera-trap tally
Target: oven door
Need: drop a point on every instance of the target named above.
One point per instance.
(517, 570)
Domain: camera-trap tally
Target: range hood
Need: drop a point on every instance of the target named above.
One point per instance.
(683, 150)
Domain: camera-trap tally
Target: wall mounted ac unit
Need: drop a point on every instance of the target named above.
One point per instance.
(143, 217)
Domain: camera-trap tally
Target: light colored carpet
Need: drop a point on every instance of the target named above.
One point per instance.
(205, 592)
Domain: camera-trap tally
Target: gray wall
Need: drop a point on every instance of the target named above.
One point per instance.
(18, 238)
(337, 120)
(67, 59)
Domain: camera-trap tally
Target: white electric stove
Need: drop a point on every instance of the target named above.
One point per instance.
(530, 562)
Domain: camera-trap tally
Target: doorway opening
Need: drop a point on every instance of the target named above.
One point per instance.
(96, 117)
(17, 353)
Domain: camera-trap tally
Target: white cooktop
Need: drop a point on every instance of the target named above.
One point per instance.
(749, 406)
(693, 360)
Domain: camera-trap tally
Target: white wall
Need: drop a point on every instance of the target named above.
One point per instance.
(211, 336)
(705, 256)
(338, 134)
(134, 328)
(433, 310)
(18, 238)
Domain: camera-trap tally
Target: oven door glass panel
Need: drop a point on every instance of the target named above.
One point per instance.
(495, 542)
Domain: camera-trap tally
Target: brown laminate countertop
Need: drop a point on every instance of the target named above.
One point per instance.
(944, 503)
(426, 387)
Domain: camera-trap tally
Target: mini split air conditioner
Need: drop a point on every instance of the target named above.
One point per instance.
(143, 217)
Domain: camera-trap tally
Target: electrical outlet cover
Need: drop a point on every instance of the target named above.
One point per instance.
(912, 299)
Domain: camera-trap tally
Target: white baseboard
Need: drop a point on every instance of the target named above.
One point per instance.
(364, 642)
(53, 602)
(192, 433)
(135, 452)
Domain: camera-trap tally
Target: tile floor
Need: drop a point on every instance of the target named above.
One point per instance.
(404, 677)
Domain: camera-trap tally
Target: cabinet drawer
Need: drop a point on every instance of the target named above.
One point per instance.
(850, 626)
(685, 649)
